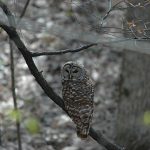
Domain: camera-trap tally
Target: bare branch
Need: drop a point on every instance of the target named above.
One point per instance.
(13, 35)
(97, 136)
(36, 54)
(11, 21)
(8, 13)
(24, 9)
(14, 95)
(109, 11)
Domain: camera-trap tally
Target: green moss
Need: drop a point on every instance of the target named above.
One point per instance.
(146, 118)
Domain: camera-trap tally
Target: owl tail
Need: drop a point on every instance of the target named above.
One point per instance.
(82, 133)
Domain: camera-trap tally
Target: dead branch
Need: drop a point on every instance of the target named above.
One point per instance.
(24, 9)
(36, 54)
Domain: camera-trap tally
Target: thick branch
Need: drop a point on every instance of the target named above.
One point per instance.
(13, 35)
(35, 54)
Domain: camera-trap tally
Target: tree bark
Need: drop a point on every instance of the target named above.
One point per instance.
(134, 102)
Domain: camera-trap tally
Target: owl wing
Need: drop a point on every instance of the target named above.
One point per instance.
(78, 99)
(85, 110)
(85, 118)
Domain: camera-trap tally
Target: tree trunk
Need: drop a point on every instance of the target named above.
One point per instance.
(134, 104)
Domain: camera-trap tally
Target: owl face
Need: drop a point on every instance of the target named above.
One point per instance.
(73, 71)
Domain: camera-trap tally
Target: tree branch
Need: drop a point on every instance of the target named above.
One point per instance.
(13, 35)
(23, 12)
(24, 9)
(110, 9)
(13, 85)
(11, 21)
(36, 54)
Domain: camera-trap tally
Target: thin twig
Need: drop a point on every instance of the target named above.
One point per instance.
(11, 21)
(24, 9)
(108, 12)
(36, 54)
(14, 94)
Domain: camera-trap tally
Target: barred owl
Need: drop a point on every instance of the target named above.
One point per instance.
(78, 94)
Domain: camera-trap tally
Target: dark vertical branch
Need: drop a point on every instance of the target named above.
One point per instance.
(12, 22)
(24, 9)
(14, 94)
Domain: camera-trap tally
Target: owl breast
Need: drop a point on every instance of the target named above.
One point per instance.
(78, 100)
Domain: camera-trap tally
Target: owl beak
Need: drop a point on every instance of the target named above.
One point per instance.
(70, 76)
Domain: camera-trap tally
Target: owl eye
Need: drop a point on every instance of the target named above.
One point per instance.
(67, 70)
(75, 71)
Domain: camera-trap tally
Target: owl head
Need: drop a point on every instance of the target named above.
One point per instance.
(72, 71)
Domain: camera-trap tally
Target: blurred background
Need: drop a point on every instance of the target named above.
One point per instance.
(51, 25)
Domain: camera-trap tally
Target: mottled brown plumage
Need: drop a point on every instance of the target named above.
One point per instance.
(78, 94)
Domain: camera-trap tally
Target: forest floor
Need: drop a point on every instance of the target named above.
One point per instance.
(55, 130)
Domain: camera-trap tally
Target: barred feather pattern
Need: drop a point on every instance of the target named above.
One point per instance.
(78, 99)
